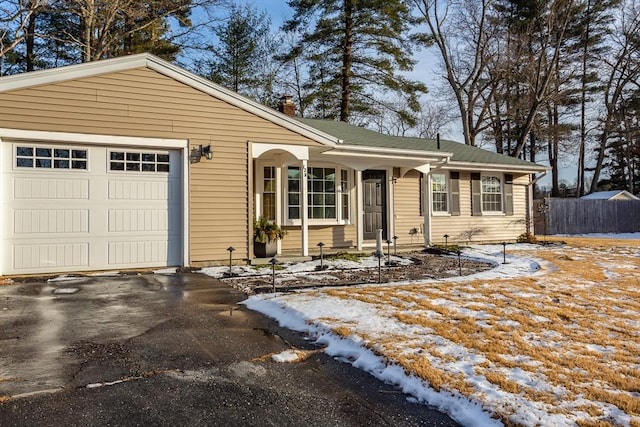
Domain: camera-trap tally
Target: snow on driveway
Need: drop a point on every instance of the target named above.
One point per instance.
(550, 338)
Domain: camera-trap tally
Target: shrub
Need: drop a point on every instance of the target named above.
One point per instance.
(527, 237)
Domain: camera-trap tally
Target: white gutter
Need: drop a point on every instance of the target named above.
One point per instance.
(494, 167)
(538, 178)
(435, 155)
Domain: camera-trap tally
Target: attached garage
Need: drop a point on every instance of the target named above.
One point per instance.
(130, 162)
(71, 205)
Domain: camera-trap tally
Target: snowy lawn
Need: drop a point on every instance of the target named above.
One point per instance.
(551, 338)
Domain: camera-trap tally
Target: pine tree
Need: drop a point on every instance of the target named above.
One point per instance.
(239, 58)
(357, 50)
(623, 149)
(592, 27)
(59, 32)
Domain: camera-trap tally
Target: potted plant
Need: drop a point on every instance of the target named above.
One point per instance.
(265, 235)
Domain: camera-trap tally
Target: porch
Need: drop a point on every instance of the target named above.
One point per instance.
(337, 195)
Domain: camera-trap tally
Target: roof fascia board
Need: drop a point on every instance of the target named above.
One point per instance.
(350, 149)
(71, 72)
(390, 156)
(494, 167)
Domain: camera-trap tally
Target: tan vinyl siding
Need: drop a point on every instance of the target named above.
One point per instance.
(144, 103)
(407, 218)
(489, 227)
(333, 236)
(493, 227)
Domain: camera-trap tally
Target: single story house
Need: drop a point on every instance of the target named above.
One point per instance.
(610, 195)
(134, 162)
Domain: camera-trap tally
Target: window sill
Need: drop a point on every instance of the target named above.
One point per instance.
(442, 214)
(493, 214)
(325, 222)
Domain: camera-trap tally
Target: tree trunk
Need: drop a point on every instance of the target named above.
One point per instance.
(30, 37)
(583, 102)
(346, 61)
(552, 115)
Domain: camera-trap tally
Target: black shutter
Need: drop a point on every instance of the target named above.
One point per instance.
(421, 184)
(508, 194)
(454, 189)
(476, 195)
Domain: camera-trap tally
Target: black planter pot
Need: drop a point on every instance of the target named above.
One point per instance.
(265, 250)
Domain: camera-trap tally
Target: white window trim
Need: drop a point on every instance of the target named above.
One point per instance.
(338, 193)
(500, 176)
(430, 183)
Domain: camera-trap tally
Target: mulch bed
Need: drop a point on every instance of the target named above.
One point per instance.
(424, 266)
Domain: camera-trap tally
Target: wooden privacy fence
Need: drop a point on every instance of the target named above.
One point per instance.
(577, 216)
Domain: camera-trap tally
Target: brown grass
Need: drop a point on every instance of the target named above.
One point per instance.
(553, 326)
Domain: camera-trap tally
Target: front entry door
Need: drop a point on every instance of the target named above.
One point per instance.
(375, 202)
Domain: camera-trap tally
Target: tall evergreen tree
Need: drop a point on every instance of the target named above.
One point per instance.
(592, 27)
(623, 148)
(621, 74)
(58, 32)
(240, 57)
(356, 48)
(17, 22)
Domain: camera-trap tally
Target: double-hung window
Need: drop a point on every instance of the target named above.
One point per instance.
(344, 191)
(293, 193)
(269, 193)
(322, 193)
(491, 186)
(328, 194)
(439, 193)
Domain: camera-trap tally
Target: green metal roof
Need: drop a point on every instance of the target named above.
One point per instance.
(362, 137)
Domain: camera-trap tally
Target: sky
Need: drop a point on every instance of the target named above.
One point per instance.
(426, 70)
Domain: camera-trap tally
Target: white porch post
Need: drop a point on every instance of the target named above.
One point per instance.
(391, 205)
(304, 207)
(426, 209)
(359, 210)
(279, 203)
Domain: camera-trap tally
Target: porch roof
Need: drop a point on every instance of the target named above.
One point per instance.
(461, 154)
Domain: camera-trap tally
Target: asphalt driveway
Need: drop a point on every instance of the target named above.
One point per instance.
(172, 350)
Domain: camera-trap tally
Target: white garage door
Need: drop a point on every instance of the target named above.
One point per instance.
(75, 207)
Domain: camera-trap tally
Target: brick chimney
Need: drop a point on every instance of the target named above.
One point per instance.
(286, 105)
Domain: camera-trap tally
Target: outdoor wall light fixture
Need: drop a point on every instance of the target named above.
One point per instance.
(205, 151)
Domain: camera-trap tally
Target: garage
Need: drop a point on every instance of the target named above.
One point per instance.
(77, 206)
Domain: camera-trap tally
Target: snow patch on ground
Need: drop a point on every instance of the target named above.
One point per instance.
(317, 314)
(287, 356)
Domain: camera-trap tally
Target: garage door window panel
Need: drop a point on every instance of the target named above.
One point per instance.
(138, 162)
(51, 158)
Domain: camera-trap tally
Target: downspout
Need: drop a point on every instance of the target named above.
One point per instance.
(529, 213)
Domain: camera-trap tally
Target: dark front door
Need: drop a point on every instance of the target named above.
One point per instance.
(375, 202)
